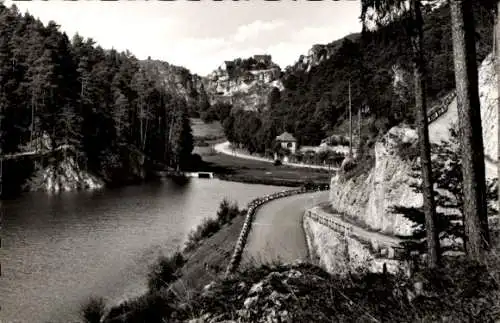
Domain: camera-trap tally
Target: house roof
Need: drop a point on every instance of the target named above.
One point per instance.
(286, 136)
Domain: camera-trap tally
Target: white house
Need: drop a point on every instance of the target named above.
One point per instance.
(287, 141)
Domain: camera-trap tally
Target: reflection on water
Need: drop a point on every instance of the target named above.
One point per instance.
(57, 250)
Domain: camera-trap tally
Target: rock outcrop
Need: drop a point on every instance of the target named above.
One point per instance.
(65, 175)
(318, 53)
(370, 197)
(488, 95)
(244, 83)
(179, 82)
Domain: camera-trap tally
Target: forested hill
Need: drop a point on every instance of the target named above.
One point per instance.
(314, 102)
(115, 113)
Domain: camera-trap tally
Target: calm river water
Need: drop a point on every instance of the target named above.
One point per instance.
(58, 250)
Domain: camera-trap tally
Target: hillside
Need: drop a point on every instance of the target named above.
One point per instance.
(180, 82)
(302, 292)
(314, 101)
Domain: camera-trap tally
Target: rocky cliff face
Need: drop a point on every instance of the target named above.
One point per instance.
(488, 95)
(244, 83)
(317, 54)
(370, 197)
(179, 82)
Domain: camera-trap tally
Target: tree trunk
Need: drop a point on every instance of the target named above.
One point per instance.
(497, 70)
(145, 135)
(433, 247)
(471, 138)
(350, 122)
(32, 116)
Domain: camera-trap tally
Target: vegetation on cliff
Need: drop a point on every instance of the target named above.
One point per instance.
(115, 114)
(447, 174)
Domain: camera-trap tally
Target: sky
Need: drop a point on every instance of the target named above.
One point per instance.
(201, 35)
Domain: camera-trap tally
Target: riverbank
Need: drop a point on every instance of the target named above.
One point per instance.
(214, 255)
(210, 255)
(210, 259)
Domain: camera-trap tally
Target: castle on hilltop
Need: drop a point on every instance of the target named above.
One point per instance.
(266, 59)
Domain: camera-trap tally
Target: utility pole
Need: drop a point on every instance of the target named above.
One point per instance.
(350, 121)
(1, 177)
(359, 130)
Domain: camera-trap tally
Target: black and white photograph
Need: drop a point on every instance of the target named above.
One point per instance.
(241, 161)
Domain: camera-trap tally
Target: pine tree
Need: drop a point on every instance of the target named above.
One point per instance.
(469, 119)
(181, 140)
(391, 9)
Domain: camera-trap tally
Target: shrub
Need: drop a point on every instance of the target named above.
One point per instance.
(227, 211)
(205, 229)
(93, 310)
(153, 306)
(165, 271)
(447, 173)
(407, 151)
(360, 168)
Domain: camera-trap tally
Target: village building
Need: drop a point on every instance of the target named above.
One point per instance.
(286, 141)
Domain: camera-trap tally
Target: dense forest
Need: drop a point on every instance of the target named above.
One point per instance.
(117, 117)
(314, 104)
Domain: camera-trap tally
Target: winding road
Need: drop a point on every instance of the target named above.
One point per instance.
(277, 232)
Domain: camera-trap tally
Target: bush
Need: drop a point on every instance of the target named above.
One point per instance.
(227, 211)
(204, 230)
(150, 307)
(165, 271)
(93, 310)
(407, 151)
(363, 166)
(278, 162)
